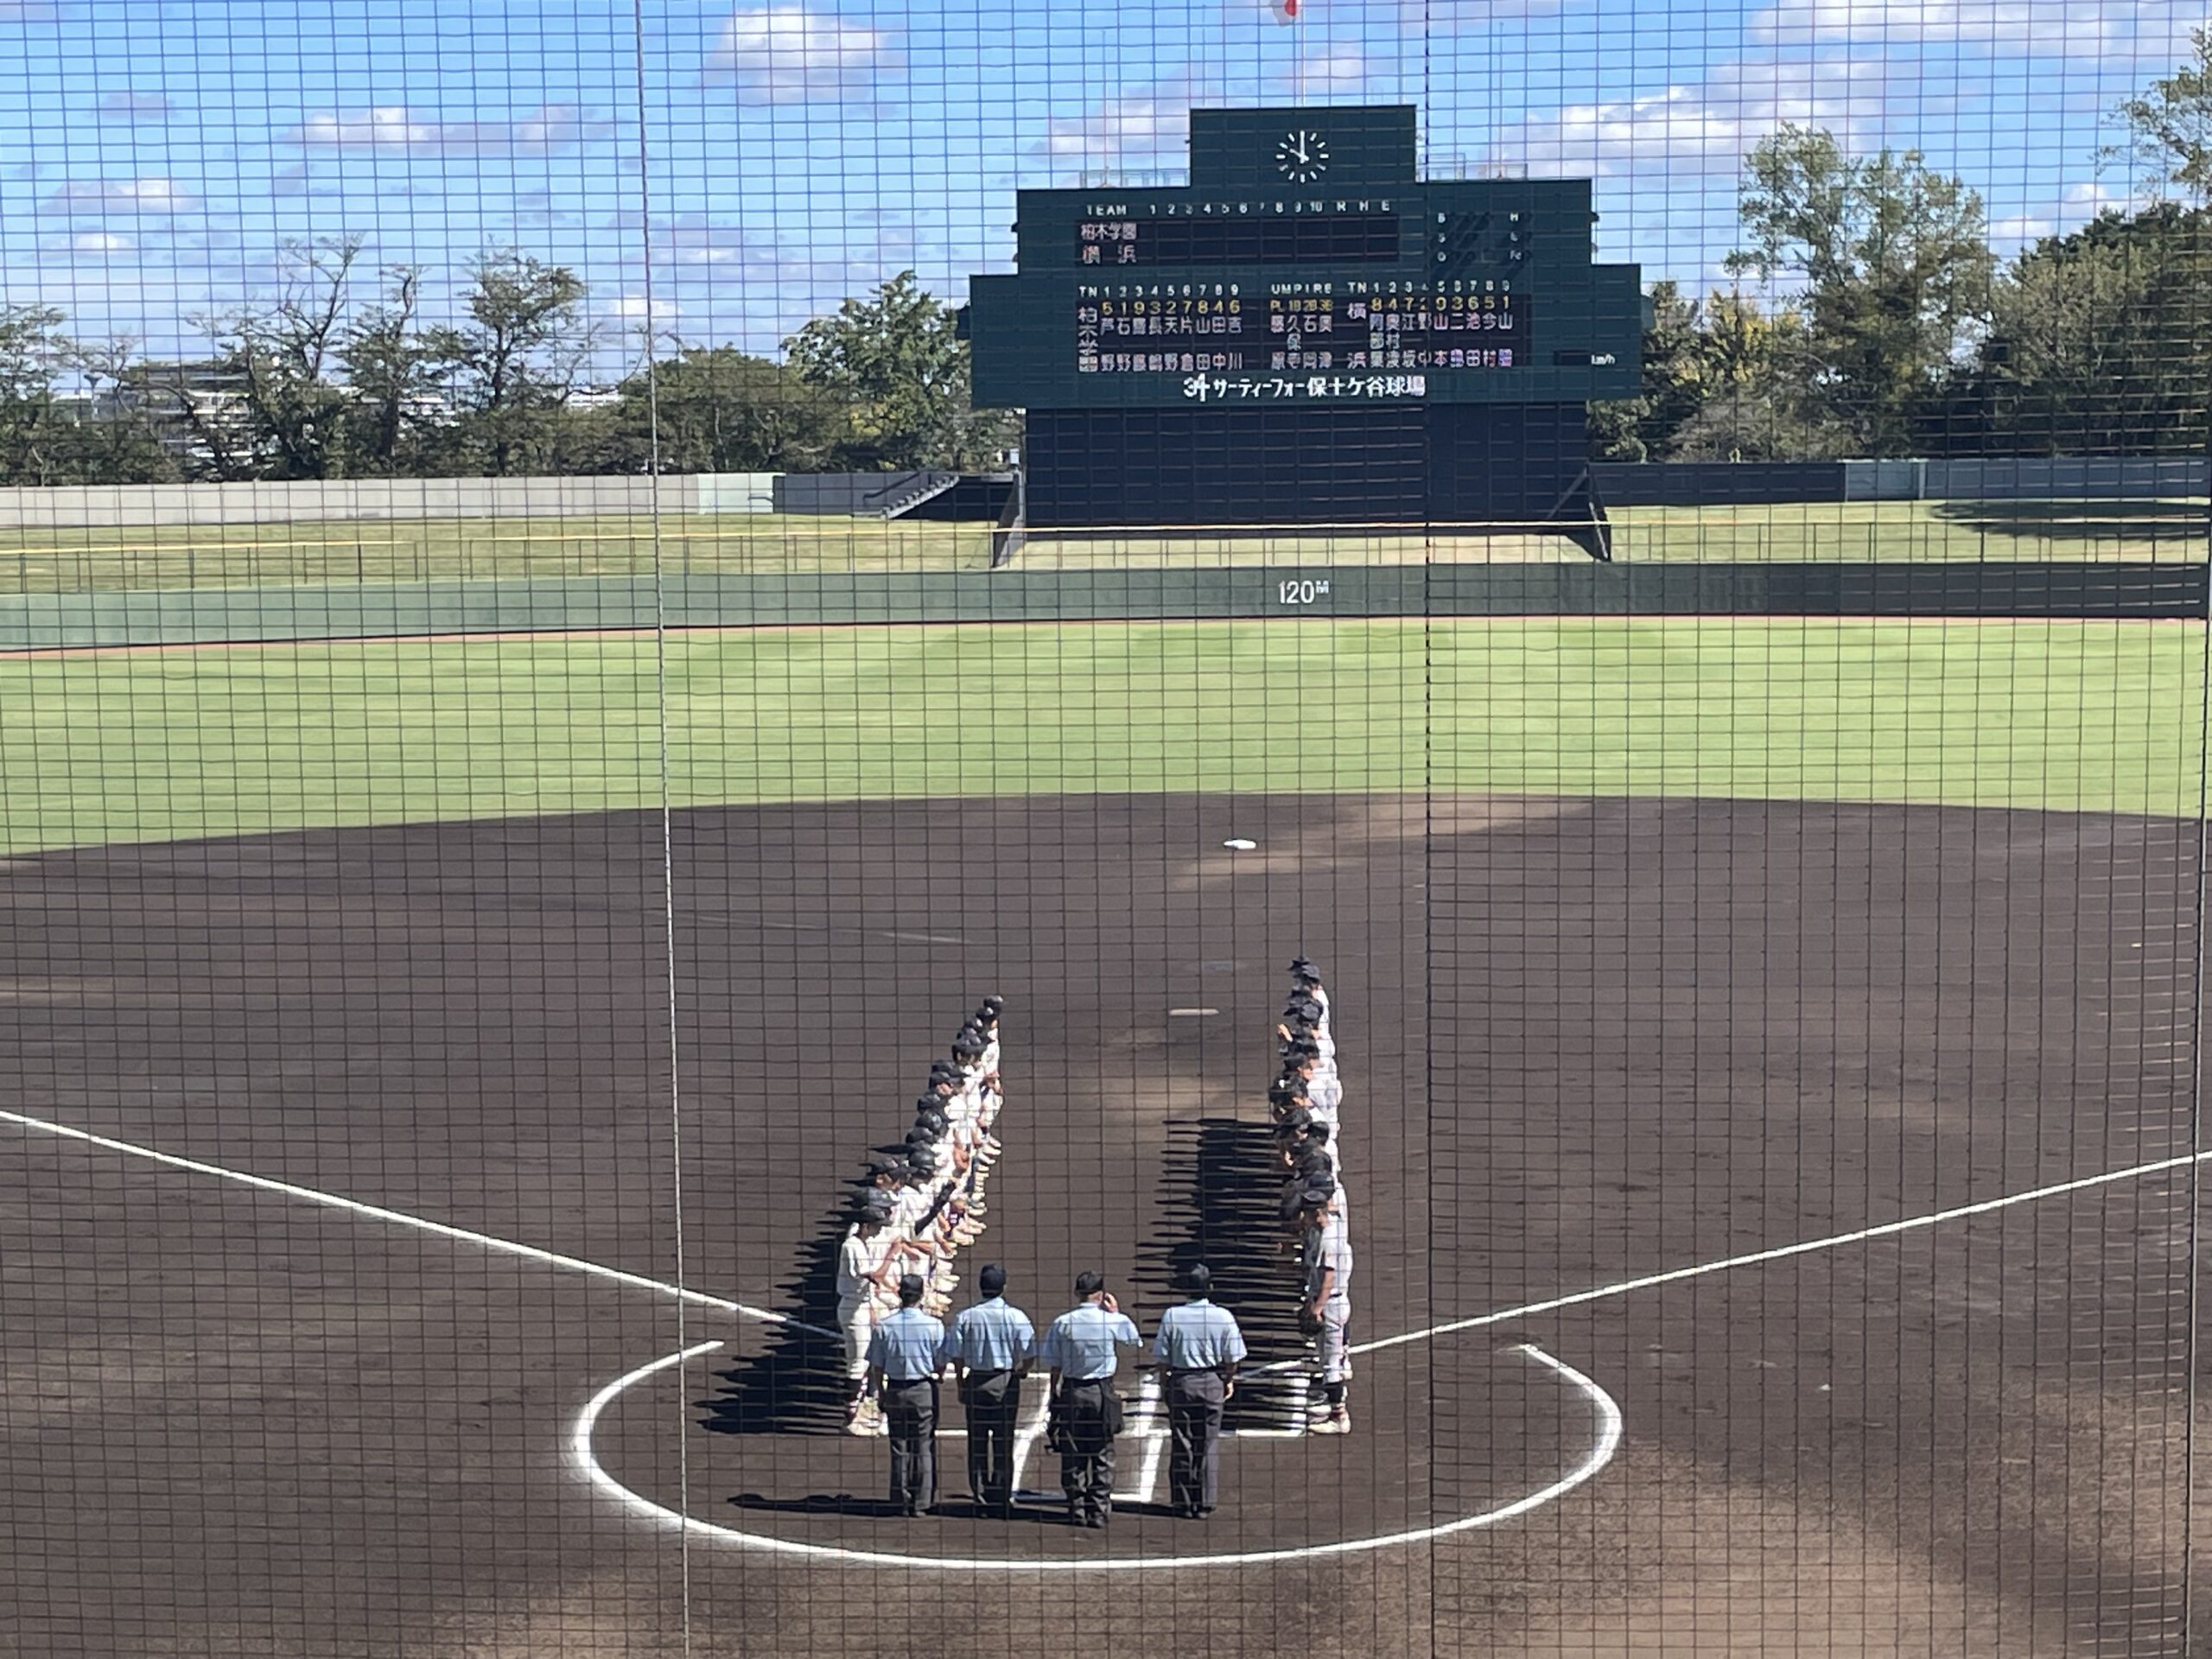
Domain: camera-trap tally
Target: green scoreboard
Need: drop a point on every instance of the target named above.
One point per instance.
(1305, 272)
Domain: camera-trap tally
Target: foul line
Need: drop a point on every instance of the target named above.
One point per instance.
(1886, 1229)
(378, 1212)
(1606, 1442)
(699, 1298)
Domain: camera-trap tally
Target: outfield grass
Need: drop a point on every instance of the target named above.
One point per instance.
(310, 553)
(1827, 532)
(159, 745)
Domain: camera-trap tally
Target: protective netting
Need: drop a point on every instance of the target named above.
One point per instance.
(1529, 676)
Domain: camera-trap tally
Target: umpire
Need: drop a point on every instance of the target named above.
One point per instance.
(1201, 1345)
(989, 1349)
(905, 1353)
(1081, 1349)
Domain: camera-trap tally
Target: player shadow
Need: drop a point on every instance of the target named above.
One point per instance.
(795, 1384)
(881, 1509)
(1224, 1174)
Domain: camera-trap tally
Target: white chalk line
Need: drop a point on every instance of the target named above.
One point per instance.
(401, 1218)
(1618, 1287)
(1604, 1442)
(1784, 1252)
(1151, 1414)
(699, 1298)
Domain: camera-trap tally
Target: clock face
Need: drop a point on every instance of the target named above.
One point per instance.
(1302, 156)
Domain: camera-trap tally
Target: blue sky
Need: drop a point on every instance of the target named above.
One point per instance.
(156, 155)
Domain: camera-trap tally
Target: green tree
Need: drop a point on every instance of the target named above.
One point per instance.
(265, 404)
(510, 366)
(1754, 379)
(395, 395)
(723, 412)
(897, 358)
(1896, 268)
(1641, 428)
(2169, 126)
(34, 437)
(2101, 340)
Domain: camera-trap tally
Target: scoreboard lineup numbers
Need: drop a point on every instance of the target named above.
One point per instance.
(1393, 326)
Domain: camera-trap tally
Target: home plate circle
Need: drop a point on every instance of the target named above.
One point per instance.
(1238, 844)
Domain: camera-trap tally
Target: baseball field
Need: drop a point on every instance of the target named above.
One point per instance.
(47, 559)
(1770, 1048)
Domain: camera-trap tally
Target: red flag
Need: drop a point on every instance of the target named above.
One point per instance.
(1287, 10)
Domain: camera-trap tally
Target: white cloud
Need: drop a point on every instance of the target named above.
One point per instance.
(99, 241)
(1416, 15)
(1337, 69)
(2075, 207)
(2074, 27)
(396, 127)
(95, 196)
(136, 106)
(29, 11)
(789, 53)
(1704, 127)
(1147, 128)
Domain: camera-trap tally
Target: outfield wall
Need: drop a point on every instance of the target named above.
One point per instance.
(2017, 590)
(1617, 484)
(107, 507)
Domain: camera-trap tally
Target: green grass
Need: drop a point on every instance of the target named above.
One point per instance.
(1906, 530)
(310, 553)
(158, 746)
(305, 552)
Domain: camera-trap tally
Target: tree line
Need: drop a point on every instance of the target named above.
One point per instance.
(1902, 333)
(324, 383)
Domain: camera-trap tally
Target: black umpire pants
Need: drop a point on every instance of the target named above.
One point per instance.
(910, 1413)
(1087, 1457)
(1194, 1404)
(992, 1401)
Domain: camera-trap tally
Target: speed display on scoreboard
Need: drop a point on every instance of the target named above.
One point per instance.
(1306, 263)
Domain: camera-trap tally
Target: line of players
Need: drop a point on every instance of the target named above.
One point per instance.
(924, 1202)
(1307, 1102)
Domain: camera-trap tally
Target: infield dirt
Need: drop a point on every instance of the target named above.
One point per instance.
(1583, 1040)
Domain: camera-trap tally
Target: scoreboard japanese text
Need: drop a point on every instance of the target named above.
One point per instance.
(1360, 283)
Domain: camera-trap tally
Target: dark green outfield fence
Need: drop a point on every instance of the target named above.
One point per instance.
(49, 621)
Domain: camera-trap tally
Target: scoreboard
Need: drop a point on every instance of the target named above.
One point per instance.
(1307, 332)
(1305, 263)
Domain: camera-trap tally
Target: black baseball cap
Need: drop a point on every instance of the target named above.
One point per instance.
(1304, 971)
(992, 1006)
(879, 1207)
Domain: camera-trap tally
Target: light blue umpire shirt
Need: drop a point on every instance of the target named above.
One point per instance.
(1080, 1344)
(992, 1335)
(1198, 1337)
(908, 1346)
